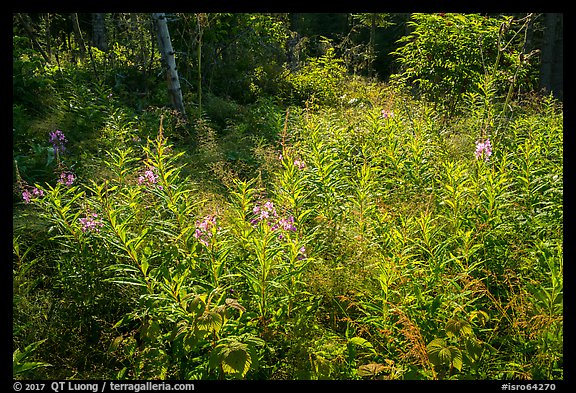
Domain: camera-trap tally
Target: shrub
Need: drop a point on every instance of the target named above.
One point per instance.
(319, 80)
(447, 55)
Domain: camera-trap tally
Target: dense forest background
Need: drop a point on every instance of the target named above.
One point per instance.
(287, 196)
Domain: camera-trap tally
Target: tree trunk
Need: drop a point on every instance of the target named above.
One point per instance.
(138, 33)
(78, 34)
(372, 45)
(30, 32)
(99, 31)
(169, 61)
(551, 68)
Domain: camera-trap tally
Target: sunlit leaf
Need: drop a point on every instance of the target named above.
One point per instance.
(237, 361)
(234, 304)
(438, 352)
(210, 320)
(196, 306)
(456, 355)
(371, 369)
(457, 326)
(360, 342)
(232, 356)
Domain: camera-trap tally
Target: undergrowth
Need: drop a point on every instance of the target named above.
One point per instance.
(345, 231)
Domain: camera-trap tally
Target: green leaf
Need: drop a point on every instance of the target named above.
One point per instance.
(438, 352)
(234, 304)
(361, 342)
(196, 306)
(18, 369)
(127, 280)
(456, 355)
(210, 320)
(444, 356)
(457, 326)
(237, 361)
(370, 370)
(233, 356)
(474, 349)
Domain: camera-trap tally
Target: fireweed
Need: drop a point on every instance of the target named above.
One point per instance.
(58, 140)
(204, 230)
(483, 149)
(90, 223)
(31, 192)
(67, 178)
(266, 213)
(149, 177)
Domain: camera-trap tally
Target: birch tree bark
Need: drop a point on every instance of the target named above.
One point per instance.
(169, 61)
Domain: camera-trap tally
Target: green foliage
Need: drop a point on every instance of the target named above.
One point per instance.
(21, 367)
(447, 55)
(352, 235)
(318, 81)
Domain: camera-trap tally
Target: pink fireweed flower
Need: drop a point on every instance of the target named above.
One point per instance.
(37, 192)
(299, 164)
(267, 214)
(28, 194)
(58, 139)
(89, 223)
(483, 149)
(287, 224)
(66, 178)
(148, 178)
(264, 212)
(203, 230)
(387, 113)
(269, 205)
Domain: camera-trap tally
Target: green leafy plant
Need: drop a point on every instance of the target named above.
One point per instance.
(319, 79)
(21, 366)
(447, 55)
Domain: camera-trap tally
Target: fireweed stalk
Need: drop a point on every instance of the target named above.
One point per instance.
(58, 140)
(279, 257)
(176, 194)
(206, 232)
(483, 149)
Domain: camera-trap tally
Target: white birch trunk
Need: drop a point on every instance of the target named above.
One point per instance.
(169, 61)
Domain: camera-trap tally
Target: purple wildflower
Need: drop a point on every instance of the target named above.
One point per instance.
(203, 230)
(387, 113)
(287, 224)
(58, 139)
(89, 223)
(299, 164)
(28, 194)
(66, 178)
(266, 213)
(148, 178)
(302, 254)
(483, 149)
